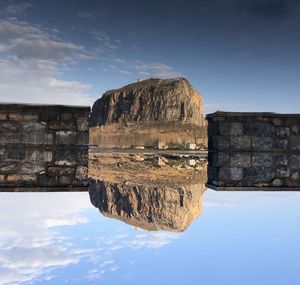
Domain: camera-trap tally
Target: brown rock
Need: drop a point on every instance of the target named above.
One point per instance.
(147, 206)
(148, 101)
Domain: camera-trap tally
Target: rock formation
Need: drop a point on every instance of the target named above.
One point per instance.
(150, 207)
(149, 101)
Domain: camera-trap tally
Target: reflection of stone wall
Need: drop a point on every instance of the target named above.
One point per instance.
(254, 150)
(43, 146)
(151, 207)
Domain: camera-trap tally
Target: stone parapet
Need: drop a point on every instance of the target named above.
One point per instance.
(43, 146)
(253, 150)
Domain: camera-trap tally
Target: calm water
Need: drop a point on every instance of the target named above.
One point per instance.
(238, 238)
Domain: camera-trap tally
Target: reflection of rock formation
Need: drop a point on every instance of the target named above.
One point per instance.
(151, 207)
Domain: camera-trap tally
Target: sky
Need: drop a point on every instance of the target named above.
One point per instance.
(240, 238)
(241, 55)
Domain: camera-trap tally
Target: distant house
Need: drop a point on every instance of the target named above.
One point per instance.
(191, 146)
(162, 145)
(139, 147)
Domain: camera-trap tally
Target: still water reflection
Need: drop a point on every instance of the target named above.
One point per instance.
(163, 228)
(240, 238)
(150, 207)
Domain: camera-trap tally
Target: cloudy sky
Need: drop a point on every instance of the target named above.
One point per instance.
(240, 238)
(241, 55)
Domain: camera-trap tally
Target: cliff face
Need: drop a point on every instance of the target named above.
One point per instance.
(149, 101)
(147, 206)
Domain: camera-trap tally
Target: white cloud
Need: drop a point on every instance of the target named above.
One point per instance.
(107, 45)
(26, 41)
(19, 8)
(84, 15)
(154, 70)
(35, 82)
(29, 246)
(142, 69)
(31, 60)
(32, 245)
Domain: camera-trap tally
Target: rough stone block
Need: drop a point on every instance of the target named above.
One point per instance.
(281, 160)
(295, 129)
(220, 159)
(83, 138)
(230, 173)
(212, 172)
(47, 116)
(62, 125)
(295, 161)
(295, 143)
(28, 167)
(82, 158)
(66, 137)
(221, 142)
(65, 157)
(230, 129)
(282, 132)
(21, 179)
(67, 116)
(282, 172)
(277, 182)
(259, 129)
(47, 180)
(262, 159)
(2, 154)
(60, 171)
(41, 137)
(65, 180)
(81, 172)
(41, 155)
(82, 124)
(7, 127)
(32, 127)
(3, 116)
(262, 143)
(240, 143)
(281, 144)
(9, 166)
(240, 160)
(212, 130)
(255, 174)
(2, 178)
(21, 116)
(18, 153)
(277, 121)
(295, 175)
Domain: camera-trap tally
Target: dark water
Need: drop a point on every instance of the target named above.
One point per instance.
(224, 238)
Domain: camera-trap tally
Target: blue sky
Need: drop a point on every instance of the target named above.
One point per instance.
(240, 238)
(241, 55)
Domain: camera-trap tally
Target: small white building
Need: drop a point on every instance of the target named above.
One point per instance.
(191, 146)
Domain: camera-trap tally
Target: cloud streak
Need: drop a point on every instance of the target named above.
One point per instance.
(19, 8)
(34, 241)
(31, 60)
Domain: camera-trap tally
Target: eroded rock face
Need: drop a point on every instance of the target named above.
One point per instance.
(149, 101)
(147, 206)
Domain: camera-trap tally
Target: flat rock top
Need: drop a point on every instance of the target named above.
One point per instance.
(151, 82)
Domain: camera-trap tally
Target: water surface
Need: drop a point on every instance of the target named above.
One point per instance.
(61, 238)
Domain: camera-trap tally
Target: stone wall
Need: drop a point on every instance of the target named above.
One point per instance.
(253, 151)
(43, 147)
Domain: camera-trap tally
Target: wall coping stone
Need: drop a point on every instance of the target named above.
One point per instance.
(34, 107)
(250, 114)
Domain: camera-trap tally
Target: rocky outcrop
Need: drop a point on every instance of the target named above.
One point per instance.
(149, 101)
(150, 207)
